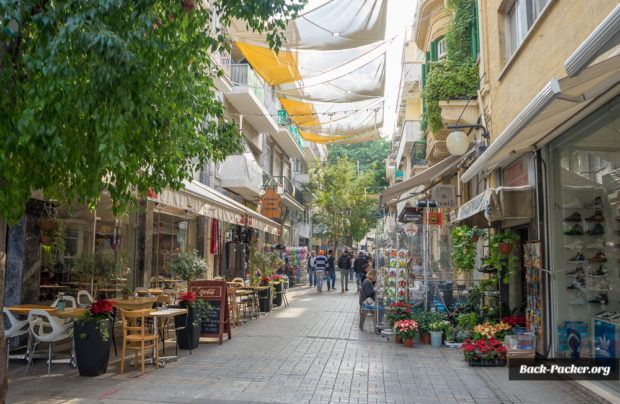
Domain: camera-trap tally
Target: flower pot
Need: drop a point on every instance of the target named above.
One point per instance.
(505, 248)
(398, 339)
(436, 339)
(92, 352)
(408, 342)
(277, 298)
(263, 300)
(426, 338)
(189, 336)
(475, 238)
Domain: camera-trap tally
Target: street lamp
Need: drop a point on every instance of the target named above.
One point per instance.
(457, 142)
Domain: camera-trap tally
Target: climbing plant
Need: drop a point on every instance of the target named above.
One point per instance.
(458, 37)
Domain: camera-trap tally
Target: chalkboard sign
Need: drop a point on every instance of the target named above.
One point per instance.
(214, 292)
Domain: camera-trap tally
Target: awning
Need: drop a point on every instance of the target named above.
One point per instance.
(206, 201)
(446, 165)
(500, 204)
(560, 100)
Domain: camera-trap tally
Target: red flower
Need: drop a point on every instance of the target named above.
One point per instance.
(101, 307)
(187, 297)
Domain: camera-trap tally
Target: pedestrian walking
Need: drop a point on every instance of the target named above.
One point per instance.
(311, 267)
(358, 267)
(344, 263)
(320, 266)
(351, 271)
(331, 270)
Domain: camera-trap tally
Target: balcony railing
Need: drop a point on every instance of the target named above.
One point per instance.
(286, 184)
(223, 61)
(418, 154)
(243, 75)
(284, 120)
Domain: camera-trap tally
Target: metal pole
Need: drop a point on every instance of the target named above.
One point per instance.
(425, 257)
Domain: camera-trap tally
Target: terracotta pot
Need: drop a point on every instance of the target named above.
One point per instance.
(475, 238)
(398, 339)
(505, 248)
(408, 342)
(426, 338)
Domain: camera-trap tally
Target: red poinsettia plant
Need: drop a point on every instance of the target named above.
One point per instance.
(514, 321)
(406, 329)
(277, 278)
(187, 299)
(264, 280)
(399, 311)
(99, 311)
(485, 349)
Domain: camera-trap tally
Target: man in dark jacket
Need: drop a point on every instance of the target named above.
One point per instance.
(331, 271)
(358, 266)
(344, 263)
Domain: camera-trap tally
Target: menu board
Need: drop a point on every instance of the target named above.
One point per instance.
(214, 292)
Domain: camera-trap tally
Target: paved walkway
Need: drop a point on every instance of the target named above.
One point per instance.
(313, 352)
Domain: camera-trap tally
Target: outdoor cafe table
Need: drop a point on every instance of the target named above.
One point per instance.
(163, 313)
(67, 313)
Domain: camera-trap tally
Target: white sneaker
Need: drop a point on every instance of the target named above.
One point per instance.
(575, 245)
(574, 204)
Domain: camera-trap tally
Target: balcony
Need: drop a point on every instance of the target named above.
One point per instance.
(288, 137)
(289, 194)
(464, 112)
(399, 176)
(253, 98)
(410, 133)
(241, 174)
(223, 61)
(418, 154)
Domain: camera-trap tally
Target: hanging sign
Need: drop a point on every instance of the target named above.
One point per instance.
(434, 218)
(444, 195)
(271, 204)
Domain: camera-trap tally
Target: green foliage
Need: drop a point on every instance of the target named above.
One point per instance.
(114, 94)
(447, 80)
(187, 266)
(458, 37)
(265, 262)
(426, 318)
(102, 267)
(371, 156)
(347, 208)
(202, 310)
(500, 260)
(464, 247)
(467, 321)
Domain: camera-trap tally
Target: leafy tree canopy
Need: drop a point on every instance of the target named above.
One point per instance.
(371, 156)
(114, 94)
(346, 208)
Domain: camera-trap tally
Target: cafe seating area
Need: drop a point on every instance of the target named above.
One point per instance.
(143, 323)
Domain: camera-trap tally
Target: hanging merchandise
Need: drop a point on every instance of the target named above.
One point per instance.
(298, 258)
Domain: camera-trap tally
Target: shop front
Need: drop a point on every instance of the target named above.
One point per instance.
(584, 236)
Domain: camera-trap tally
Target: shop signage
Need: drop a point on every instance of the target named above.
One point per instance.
(444, 195)
(271, 204)
(217, 322)
(434, 218)
(515, 175)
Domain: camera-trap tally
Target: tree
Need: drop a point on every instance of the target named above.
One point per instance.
(371, 156)
(346, 209)
(115, 95)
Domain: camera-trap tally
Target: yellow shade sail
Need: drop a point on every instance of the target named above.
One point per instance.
(302, 113)
(275, 68)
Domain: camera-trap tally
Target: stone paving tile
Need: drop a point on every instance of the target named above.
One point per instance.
(311, 352)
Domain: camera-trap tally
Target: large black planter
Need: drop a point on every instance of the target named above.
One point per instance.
(91, 351)
(264, 297)
(277, 299)
(189, 337)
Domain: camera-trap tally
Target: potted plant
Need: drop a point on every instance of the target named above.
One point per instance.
(463, 249)
(398, 311)
(101, 268)
(188, 328)
(501, 246)
(484, 352)
(476, 233)
(506, 241)
(125, 291)
(187, 266)
(92, 335)
(278, 283)
(264, 295)
(406, 330)
(436, 330)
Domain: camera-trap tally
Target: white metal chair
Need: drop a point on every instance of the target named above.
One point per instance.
(15, 329)
(48, 329)
(84, 299)
(69, 302)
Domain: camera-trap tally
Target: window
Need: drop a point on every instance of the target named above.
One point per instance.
(521, 15)
(441, 49)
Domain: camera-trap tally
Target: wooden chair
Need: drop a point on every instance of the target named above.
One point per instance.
(233, 306)
(136, 337)
(239, 281)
